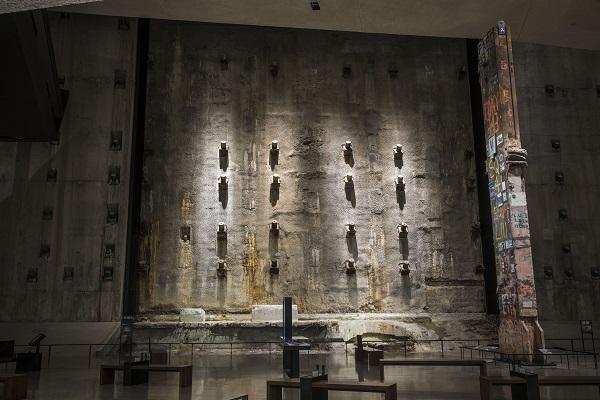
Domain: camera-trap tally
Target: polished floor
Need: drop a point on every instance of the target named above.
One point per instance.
(224, 376)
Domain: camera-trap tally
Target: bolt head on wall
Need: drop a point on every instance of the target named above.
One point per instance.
(274, 269)
(186, 233)
(47, 213)
(559, 177)
(393, 72)
(400, 186)
(224, 63)
(569, 273)
(350, 266)
(222, 231)
(350, 230)
(347, 71)
(563, 215)
(32, 275)
(274, 227)
(548, 273)
(68, 273)
(52, 175)
(549, 90)
(107, 274)
(403, 230)
(555, 143)
(595, 273)
(397, 150)
(221, 269)
(404, 268)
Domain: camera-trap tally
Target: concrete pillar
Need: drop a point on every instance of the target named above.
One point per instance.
(519, 332)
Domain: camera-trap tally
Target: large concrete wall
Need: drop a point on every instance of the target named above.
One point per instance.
(567, 290)
(195, 101)
(51, 227)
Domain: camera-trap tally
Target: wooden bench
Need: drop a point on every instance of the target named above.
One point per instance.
(482, 364)
(275, 388)
(185, 371)
(137, 372)
(15, 386)
(487, 382)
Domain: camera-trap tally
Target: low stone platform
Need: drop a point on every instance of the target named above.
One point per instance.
(241, 327)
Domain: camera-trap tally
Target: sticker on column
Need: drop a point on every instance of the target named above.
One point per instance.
(501, 162)
(491, 146)
(499, 139)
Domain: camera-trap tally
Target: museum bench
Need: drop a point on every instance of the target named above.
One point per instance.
(135, 373)
(15, 386)
(185, 371)
(320, 388)
(486, 383)
(482, 364)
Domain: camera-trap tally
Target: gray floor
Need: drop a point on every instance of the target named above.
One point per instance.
(221, 376)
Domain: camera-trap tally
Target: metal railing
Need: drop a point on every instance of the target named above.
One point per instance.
(442, 344)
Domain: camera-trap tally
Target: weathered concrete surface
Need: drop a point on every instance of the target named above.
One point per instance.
(271, 312)
(196, 100)
(419, 326)
(192, 315)
(566, 287)
(70, 214)
(11, 6)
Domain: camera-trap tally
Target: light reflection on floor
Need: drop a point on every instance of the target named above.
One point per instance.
(221, 376)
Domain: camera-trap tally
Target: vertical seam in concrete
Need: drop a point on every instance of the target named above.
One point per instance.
(135, 180)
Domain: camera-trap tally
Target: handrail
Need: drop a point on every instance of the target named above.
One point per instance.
(231, 344)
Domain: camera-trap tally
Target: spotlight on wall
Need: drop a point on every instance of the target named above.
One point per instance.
(348, 179)
(350, 266)
(276, 180)
(223, 181)
(350, 230)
